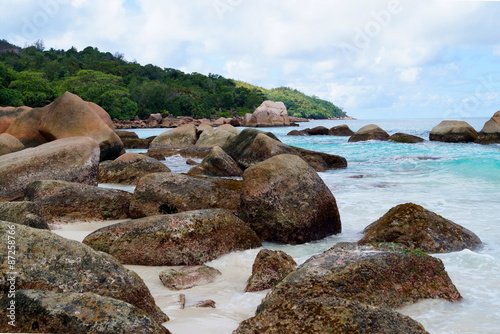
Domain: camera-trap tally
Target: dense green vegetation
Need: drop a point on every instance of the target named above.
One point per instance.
(34, 76)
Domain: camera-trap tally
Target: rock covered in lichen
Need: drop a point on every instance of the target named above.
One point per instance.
(186, 238)
(269, 268)
(50, 262)
(418, 228)
(55, 312)
(188, 277)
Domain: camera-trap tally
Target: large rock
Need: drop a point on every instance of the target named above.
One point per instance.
(73, 159)
(217, 137)
(284, 200)
(50, 262)
(164, 193)
(103, 114)
(188, 277)
(181, 137)
(23, 213)
(269, 268)
(341, 131)
(53, 312)
(328, 315)
(63, 201)
(129, 168)
(420, 229)
(406, 138)
(25, 127)
(453, 132)
(369, 132)
(363, 274)
(252, 146)
(9, 144)
(269, 113)
(217, 163)
(8, 115)
(490, 133)
(67, 116)
(186, 238)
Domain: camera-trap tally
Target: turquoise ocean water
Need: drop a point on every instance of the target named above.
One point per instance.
(458, 181)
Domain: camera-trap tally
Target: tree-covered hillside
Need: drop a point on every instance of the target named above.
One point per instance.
(34, 77)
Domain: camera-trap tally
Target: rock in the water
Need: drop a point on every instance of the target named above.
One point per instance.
(166, 193)
(217, 137)
(490, 134)
(217, 163)
(23, 213)
(284, 200)
(369, 132)
(188, 277)
(129, 168)
(341, 131)
(181, 137)
(54, 312)
(317, 131)
(9, 144)
(62, 201)
(453, 132)
(297, 133)
(269, 268)
(328, 315)
(186, 238)
(50, 262)
(131, 140)
(363, 274)
(417, 228)
(406, 138)
(73, 159)
(269, 113)
(253, 146)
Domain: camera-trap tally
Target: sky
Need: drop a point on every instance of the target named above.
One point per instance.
(374, 58)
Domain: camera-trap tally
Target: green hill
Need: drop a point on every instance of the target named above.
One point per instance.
(34, 76)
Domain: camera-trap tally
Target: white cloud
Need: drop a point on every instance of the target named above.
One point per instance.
(395, 43)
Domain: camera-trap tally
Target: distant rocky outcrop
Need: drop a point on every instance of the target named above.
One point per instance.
(186, 238)
(67, 116)
(166, 193)
(369, 132)
(490, 133)
(284, 200)
(129, 168)
(269, 268)
(74, 159)
(69, 312)
(62, 201)
(53, 263)
(453, 132)
(268, 114)
(419, 229)
(188, 277)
